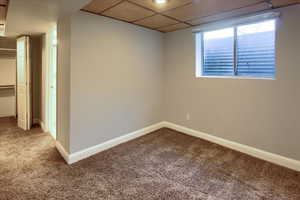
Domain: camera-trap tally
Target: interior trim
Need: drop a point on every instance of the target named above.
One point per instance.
(264, 155)
(62, 151)
(85, 153)
(252, 18)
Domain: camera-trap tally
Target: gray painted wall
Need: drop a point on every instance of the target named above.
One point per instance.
(116, 79)
(260, 113)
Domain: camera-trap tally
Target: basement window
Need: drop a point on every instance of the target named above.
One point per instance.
(246, 50)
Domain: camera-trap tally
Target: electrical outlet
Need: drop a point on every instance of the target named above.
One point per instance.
(188, 117)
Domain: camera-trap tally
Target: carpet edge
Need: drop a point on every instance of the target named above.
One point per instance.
(261, 154)
(85, 153)
(264, 155)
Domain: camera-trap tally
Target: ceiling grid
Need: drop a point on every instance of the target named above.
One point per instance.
(179, 14)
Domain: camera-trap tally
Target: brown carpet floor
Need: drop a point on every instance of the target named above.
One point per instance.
(162, 165)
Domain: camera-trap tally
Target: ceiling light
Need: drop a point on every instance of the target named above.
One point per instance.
(160, 1)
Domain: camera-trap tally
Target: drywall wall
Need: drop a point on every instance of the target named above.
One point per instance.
(63, 81)
(260, 113)
(116, 79)
(7, 77)
(7, 71)
(9, 43)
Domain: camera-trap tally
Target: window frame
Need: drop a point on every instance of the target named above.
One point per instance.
(200, 69)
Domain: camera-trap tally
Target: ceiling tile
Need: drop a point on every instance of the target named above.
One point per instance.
(279, 3)
(195, 10)
(163, 7)
(128, 12)
(156, 21)
(229, 5)
(98, 6)
(201, 8)
(173, 27)
(231, 14)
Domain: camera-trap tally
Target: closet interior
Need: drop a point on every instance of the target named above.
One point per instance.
(7, 77)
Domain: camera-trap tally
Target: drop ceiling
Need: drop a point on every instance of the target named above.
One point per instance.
(179, 14)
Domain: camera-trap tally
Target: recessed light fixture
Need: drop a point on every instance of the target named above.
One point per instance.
(160, 1)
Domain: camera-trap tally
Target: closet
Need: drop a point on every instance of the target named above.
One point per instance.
(7, 82)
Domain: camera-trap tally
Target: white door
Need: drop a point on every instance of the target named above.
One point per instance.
(23, 83)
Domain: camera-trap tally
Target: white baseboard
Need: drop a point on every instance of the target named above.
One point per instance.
(62, 151)
(42, 124)
(80, 155)
(273, 158)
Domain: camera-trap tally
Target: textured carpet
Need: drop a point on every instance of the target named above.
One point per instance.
(162, 165)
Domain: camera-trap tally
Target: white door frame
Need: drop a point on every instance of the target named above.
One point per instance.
(48, 78)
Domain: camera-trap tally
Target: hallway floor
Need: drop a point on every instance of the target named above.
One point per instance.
(162, 165)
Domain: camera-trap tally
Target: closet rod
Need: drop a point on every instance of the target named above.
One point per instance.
(7, 86)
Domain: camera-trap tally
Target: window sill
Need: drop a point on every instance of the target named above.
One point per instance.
(236, 77)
